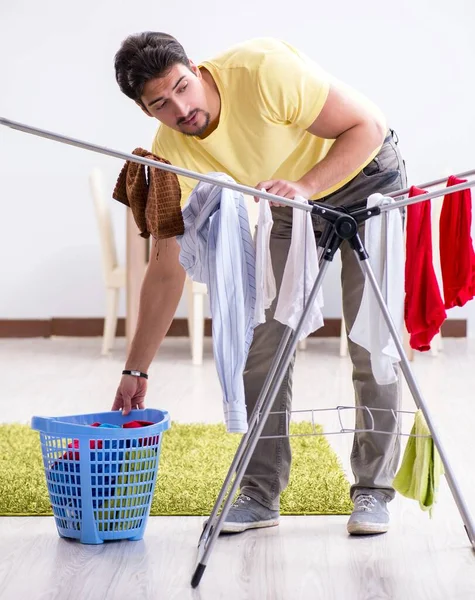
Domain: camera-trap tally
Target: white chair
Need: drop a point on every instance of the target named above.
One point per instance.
(115, 278)
(114, 275)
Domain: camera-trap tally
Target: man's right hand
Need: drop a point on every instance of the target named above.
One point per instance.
(160, 294)
(130, 394)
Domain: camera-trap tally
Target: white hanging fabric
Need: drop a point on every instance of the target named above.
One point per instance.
(300, 273)
(384, 242)
(265, 280)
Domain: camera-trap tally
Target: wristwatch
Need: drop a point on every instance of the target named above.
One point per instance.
(135, 373)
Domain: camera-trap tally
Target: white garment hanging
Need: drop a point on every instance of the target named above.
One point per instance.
(265, 280)
(217, 249)
(386, 257)
(300, 273)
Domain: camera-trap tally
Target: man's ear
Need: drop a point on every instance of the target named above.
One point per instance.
(143, 108)
(195, 70)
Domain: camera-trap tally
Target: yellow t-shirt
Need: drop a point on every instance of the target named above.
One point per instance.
(270, 94)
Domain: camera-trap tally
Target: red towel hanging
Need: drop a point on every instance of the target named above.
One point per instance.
(457, 258)
(424, 310)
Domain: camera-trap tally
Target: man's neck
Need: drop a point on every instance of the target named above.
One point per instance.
(214, 102)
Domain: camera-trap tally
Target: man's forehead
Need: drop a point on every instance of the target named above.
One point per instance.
(169, 80)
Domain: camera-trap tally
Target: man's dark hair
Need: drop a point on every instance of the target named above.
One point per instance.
(145, 56)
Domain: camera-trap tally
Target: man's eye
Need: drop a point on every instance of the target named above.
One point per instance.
(183, 88)
(161, 106)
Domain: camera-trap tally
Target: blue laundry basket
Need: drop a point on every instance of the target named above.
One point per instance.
(101, 480)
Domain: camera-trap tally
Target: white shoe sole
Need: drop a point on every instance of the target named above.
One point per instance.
(240, 527)
(367, 528)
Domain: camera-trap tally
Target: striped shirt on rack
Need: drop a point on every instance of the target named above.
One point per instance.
(217, 249)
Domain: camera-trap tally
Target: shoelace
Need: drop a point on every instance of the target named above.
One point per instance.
(365, 502)
(241, 499)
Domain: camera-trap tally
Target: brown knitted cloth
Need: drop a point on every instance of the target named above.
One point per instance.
(153, 195)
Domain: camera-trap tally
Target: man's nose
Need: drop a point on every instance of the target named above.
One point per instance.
(182, 110)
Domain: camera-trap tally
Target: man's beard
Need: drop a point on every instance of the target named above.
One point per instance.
(202, 129)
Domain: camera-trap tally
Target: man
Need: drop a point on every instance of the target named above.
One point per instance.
(269, 117)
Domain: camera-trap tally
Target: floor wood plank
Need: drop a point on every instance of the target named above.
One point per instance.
(305, 557)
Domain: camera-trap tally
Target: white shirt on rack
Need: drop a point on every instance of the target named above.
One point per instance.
(265, 280)
(217, 249)
(386, 257)
(300, 273)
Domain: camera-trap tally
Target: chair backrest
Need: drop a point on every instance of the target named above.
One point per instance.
(104, 222)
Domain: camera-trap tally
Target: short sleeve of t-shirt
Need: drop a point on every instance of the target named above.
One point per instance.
(293, 89)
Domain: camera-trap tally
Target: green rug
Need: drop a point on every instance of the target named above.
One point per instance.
(193, 463)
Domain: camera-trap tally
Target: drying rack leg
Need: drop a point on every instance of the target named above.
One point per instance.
(345, 227)
(261, 404)
(421, 404)
(270, 390)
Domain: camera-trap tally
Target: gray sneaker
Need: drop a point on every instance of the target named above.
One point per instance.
(247, 513)
(370, 514)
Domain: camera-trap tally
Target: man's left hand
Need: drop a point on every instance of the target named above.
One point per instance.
(284, 188)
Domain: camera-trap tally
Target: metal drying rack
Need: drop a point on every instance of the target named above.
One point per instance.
(341, 225)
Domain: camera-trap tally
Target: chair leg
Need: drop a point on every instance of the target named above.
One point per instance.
(407, 347)
(110, 322)
(436, 345)
(441, 342)
(197, 336)
(191, 327)
(343, 339)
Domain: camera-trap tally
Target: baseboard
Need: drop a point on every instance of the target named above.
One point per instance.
(89, 327)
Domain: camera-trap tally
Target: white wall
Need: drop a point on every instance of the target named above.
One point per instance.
(413, 57)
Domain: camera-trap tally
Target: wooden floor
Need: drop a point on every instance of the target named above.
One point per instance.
(303, 558)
